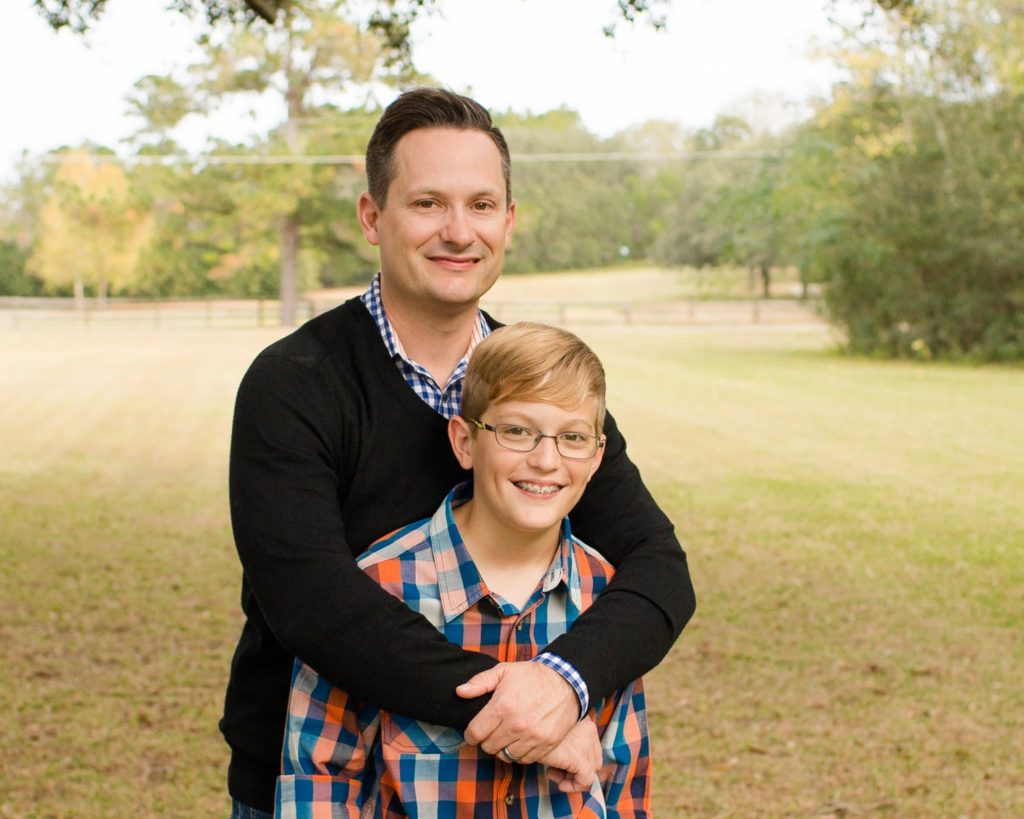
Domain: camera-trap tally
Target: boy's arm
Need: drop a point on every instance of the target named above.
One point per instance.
(290, 535)
(626, 754)
(327, 745)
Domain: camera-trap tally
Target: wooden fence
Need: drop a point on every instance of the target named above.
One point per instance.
(18, 313)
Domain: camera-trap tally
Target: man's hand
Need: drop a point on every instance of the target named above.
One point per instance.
(574, 764)
(531, 712)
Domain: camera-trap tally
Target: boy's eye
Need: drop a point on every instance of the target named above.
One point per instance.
(513, 431)
(574, 437)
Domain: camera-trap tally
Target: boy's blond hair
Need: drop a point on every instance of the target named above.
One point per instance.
(533, 362)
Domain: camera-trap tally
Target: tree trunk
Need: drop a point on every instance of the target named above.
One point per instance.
(101, 295)
(79, 293)
(289, 268)
(766, 280)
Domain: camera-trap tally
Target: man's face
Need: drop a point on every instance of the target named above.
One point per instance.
(525, 493)
(446, 223)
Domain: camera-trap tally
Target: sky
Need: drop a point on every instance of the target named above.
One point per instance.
(525, 55)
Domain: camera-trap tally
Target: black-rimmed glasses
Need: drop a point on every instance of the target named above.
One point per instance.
(578, 446)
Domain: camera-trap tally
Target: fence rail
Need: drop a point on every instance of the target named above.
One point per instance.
(22, 313)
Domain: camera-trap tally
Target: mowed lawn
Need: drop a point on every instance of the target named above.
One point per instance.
(854, 531)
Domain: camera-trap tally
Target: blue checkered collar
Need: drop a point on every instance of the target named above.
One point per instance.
(373, 302)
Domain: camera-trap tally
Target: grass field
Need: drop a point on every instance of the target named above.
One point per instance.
(853, 527)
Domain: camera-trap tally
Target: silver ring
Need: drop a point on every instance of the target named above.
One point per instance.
(510, 757)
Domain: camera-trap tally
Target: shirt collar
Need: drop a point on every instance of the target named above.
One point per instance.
(458, 580)
(372, 299)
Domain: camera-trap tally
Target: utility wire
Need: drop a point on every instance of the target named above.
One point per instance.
(354, 159)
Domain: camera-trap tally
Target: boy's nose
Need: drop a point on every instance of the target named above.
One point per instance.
(546, 453)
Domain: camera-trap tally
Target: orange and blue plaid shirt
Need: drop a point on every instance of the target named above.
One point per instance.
(345, 758)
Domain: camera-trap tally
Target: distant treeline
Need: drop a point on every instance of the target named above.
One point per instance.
(901, 194)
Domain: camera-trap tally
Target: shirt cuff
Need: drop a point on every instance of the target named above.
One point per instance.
(571, 676)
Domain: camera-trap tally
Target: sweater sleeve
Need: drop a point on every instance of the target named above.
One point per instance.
(631, 627)
(287, 522)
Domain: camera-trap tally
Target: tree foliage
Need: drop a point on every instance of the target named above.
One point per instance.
(918, 205)
(391, 20)
(901, 196)
(91, 233)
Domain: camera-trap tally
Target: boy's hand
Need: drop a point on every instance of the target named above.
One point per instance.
(574, 764)
(531, 712)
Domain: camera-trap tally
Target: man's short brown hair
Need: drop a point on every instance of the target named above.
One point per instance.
(426, 108)
(533, 362)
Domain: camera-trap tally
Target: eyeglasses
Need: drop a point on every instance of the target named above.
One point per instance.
(577, 446)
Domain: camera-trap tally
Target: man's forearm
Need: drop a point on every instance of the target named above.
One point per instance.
(633, 624)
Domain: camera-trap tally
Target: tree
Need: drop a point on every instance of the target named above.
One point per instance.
(749, 221)
(90, 231)
(571, 213)
(21, 202)
(921, 238)
(14, 278)
(313, 51)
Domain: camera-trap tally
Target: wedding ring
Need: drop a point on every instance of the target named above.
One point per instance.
(510, 757)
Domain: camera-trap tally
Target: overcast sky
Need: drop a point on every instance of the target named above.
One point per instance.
(61, 89)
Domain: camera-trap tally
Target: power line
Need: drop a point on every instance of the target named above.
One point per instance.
(358, 159)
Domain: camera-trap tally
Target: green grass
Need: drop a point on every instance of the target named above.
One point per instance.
(853, 529)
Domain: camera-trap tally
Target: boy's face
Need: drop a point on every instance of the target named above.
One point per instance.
(525, 492)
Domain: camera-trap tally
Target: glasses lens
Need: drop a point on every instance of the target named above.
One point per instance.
(511, 436)
(576, 444)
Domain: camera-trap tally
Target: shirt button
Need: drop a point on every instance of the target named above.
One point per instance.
(509, 799)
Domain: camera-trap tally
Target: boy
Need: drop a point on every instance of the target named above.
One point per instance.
(496, 570)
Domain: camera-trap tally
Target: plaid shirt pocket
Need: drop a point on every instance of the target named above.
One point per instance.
(410, 736)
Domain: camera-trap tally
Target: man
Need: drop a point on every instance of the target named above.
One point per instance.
(340, 436)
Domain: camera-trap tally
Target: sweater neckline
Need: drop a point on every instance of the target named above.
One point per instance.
(381, 359)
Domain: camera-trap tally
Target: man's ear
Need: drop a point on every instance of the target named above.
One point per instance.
(510, 222)
(460, 437)
(368, 214)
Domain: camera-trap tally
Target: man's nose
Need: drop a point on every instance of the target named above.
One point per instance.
(457, 229)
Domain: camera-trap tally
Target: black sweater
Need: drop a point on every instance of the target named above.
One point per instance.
(331, 450)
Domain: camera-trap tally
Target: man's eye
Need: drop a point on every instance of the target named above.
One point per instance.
(425, 204)
(483, 206)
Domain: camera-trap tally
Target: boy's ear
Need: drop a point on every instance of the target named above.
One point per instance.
(459, 436)
(595, 462)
